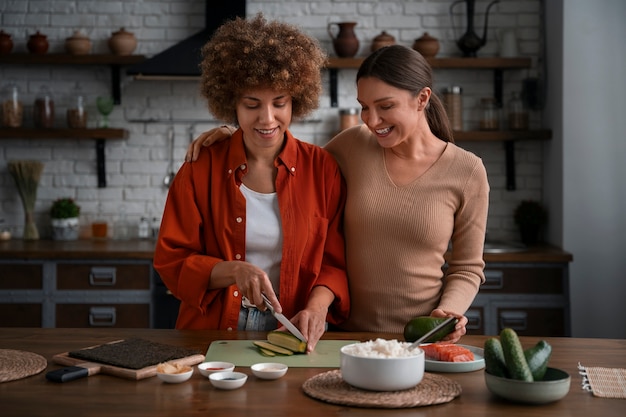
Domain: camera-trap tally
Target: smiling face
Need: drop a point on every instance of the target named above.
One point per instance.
(264, 115)
(392, 114)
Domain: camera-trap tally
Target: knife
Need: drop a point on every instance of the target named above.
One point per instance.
(283, 320)
(432, 332)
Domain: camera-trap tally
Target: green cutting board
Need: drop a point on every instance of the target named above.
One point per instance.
(244, 353)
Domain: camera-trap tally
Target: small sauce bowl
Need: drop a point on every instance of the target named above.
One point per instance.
(228, 380)
(175, 378)
(269, 370)
(208, 368)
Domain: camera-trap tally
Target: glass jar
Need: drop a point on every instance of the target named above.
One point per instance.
(76, 113)
(489, 118)
(348, 118)
(12, 108)
(454, 106)
(43, 110)
(517, 113)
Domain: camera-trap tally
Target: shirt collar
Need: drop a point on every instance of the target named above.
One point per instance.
(287, 157)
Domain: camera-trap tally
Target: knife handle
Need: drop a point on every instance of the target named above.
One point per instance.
(67, 374)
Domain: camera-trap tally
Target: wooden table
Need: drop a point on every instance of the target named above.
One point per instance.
(103, 395)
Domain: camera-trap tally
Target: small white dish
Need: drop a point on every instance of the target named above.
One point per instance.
(269, 370)
(476, 364)
(228, 380)
(208, 368)
(175, 378)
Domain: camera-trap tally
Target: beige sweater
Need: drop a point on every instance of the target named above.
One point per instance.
(396, 237)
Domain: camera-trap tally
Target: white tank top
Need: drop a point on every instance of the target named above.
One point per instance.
(264, 233)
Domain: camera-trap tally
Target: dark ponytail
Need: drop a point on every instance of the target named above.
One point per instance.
(405, 68)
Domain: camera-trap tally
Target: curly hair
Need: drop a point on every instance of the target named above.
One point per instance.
(245, 54)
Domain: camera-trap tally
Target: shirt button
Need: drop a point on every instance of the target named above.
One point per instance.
(230, 171)
(238, 219)
(293, 169)
(243, 166)
(236, 294)
(230, 329)
(238, 256)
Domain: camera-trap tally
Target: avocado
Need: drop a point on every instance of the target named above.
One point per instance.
(419, 326)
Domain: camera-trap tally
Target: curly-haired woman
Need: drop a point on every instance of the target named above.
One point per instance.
(261, 213)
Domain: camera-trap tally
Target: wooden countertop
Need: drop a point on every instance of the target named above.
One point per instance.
(144, 249)
(104, 395)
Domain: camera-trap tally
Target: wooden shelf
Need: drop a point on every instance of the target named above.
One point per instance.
(446, 62)
(61, 133)
(100, 135)
(115, 62)
(501, 135)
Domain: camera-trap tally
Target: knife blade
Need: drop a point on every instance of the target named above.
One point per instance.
(284, 320)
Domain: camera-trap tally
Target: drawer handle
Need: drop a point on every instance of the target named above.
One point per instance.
(474, 320)
(494, 280)
(516, 320)
(101, 276)
(102, 316)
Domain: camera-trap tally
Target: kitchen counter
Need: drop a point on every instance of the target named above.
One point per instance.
(104, 395)
(144, 249)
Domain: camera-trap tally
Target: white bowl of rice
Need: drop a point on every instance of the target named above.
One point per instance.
(382, 365)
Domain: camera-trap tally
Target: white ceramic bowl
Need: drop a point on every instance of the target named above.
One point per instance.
(554, 386)
(381, 373)
(228, 380)
(269, 370)
(175, 378)
(208, 368)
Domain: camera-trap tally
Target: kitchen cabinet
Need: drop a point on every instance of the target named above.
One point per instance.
(495, 64)
(76, 293)
(531, 298)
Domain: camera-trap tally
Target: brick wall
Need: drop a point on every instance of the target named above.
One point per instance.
(136, 166)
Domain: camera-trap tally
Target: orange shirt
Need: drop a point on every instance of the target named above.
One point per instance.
(204, 223)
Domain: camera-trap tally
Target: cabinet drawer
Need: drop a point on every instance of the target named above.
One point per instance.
(502, 280)
(475, 320)
(20, 315)
(103, 315)
(21, 277)
(533, 321)
(103, 277)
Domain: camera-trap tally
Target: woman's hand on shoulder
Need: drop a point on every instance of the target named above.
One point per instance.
(459, 328)
(207, 139)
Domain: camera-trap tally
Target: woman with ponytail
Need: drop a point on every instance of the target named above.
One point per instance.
(412, 196)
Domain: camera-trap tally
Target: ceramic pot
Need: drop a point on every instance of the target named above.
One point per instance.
(426, 45)
(346, 44)
(122, 42)
(6, 43)
(38, 43)
(65, 229)
(384, 39)
(78, 44)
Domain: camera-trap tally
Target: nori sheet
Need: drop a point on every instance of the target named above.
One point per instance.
(133, 353)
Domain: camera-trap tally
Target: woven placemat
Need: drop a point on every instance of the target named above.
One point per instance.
(17, 364)
(330, 387)
(604, 382)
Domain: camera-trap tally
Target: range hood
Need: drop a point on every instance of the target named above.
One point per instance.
(182, 61)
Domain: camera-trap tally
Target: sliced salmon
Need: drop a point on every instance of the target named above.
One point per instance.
(447, 352)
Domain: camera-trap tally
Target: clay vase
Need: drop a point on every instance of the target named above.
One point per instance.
(37, 44)
(382, 40)
(122, 42)
(346, 44)
(6, 43)
(426, 45)
(78, 44)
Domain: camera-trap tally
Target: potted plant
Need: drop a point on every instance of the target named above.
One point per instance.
(64, 219)
(530, 216)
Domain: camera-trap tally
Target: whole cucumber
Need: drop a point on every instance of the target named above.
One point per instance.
(494, 358)
(537, 358)
(514, 356)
